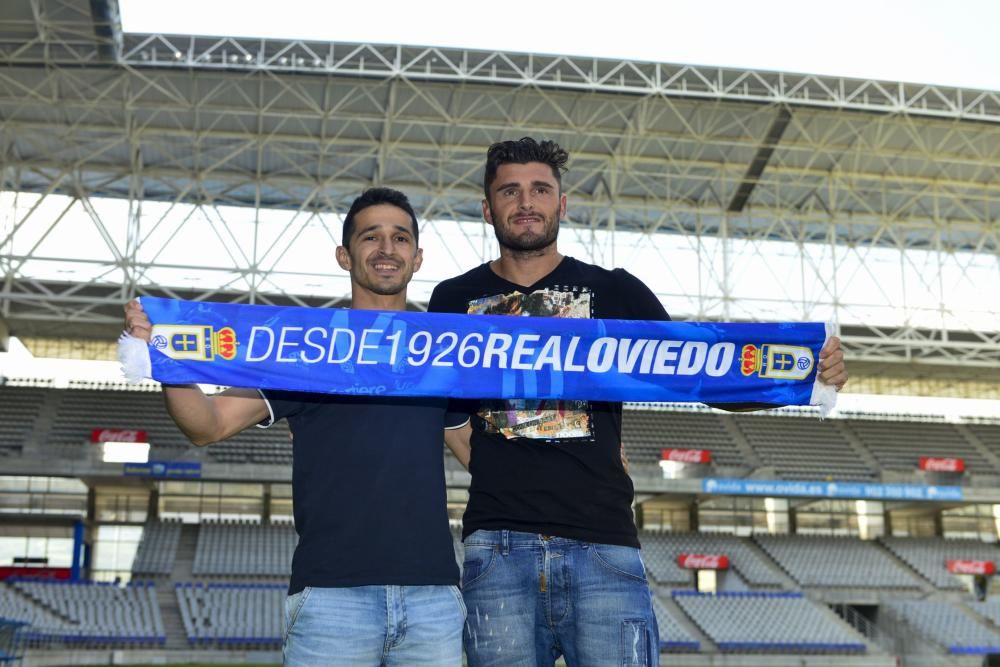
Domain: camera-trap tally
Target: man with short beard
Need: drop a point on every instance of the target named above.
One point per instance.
(374, 573)
(552, 564)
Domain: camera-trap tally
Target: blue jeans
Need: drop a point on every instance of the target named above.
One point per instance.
(374, 626)
(532, 598)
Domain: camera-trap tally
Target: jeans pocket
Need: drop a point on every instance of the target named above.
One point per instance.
(293, 607)
(623, 561)
(478, 562)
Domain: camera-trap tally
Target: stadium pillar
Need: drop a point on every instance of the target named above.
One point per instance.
(938, 523)
(693, 516)
(153, 504)
(78, 546)
(4, 335)
(265, 510)
(89, 533)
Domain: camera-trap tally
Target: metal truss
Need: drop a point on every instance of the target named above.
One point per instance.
(745, 195)
(576, 74)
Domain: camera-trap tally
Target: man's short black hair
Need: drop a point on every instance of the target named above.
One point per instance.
(523, 151)
(374, 197)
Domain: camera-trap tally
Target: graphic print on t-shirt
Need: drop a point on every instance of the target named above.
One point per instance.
(551, 419)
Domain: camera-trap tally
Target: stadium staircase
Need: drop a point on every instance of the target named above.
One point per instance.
(909, 640)
(683, 620)
(39, 433)
(962, 604)
(787, 583)
(877, 638)
(855, 443)
(170, 609)
(749, 455)
(926, 587)
(978, 445)
(868, 631)
(37, 602)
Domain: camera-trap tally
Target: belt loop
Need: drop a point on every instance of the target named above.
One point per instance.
(504, 542)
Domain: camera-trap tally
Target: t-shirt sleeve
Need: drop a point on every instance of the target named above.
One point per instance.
(456, 419)
(459, 412)
(643, 304)
(280, 404)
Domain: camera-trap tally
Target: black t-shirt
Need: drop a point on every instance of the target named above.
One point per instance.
(551, 467)
(368, 489)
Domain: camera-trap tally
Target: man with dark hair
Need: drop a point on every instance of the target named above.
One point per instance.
(374, 574)
(552, 564)
(378, 197)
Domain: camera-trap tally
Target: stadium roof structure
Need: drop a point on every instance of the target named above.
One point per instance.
(729, 159)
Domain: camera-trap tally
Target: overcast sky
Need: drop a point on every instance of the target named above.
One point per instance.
(926, 41)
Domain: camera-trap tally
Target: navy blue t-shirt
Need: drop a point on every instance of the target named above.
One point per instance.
(368, 489)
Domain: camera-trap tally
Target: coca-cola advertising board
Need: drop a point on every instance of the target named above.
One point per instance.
(703, 561)
(687, 455)
(117, 435)
(959, 566)
(942, 464)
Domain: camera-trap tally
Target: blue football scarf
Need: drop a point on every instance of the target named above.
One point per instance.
(368, 352)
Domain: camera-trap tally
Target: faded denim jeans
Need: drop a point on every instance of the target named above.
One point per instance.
(374, 626)
(532, 598)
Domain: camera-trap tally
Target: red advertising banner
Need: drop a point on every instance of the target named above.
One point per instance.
(61, 573)
(118, 435)
(687, 455)
(971, 566)
(935, 464)
(703, 561)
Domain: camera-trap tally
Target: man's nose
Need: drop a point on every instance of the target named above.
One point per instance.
(524, 200)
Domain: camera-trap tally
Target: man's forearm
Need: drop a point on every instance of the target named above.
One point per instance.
(458, 440)
(193, 412)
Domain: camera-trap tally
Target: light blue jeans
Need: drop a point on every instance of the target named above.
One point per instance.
(374, 626)
(532, 598)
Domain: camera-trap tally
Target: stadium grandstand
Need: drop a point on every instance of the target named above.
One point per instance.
(212, 168)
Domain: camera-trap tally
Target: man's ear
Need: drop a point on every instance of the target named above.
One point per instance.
(418, 259)
(487, 214)
(343, 258)
(562, 206)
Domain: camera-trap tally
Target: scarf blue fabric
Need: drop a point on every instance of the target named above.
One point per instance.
(367, 352)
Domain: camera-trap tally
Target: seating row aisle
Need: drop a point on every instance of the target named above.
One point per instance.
(232, 614)
(20, 408)
(42, 622)
(928, 555)
(837, 561)
(85, 611)
(250, 615)
(803, 448)
(673, 635)
(897, 444)
(795, 446)
(768, 621)
(81, 410)
(660, 552)
(245, 549)
(157, 548)
(947, 625)
(900, 563)
(646, 432)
